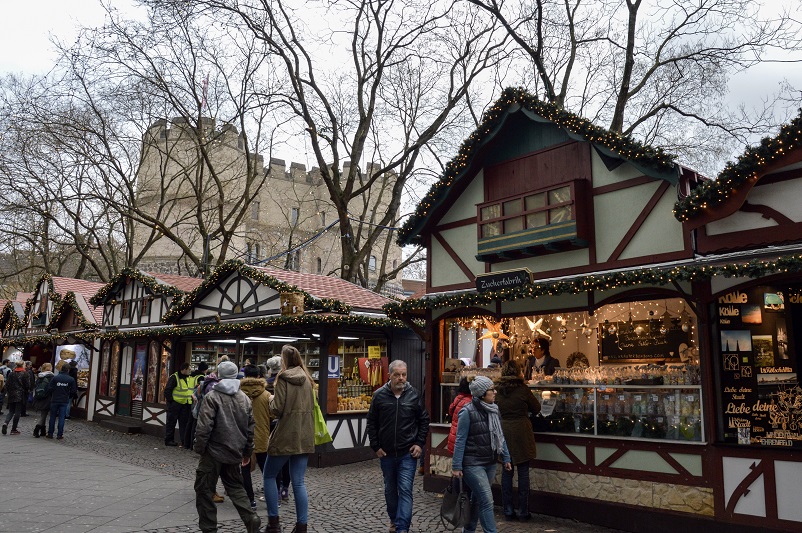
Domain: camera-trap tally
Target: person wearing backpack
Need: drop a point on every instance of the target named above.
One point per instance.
(17, 387)
(63, 389)
(41, 397)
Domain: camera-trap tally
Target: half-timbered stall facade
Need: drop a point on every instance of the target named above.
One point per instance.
(137, 351)
(57, 325)
(751, 216)
(546, 226)
(12, 322)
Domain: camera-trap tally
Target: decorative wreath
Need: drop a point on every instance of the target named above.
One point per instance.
(577, 359)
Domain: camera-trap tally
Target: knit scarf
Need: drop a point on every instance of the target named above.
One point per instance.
(494, 422)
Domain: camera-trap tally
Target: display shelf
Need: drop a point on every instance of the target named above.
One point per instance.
(650, 412)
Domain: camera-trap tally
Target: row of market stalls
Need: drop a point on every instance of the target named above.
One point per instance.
(673, 304)
(129, 335)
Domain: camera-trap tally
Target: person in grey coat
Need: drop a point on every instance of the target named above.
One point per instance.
(224, 440)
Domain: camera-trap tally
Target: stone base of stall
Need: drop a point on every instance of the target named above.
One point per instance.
(121, 426)
(632, 518)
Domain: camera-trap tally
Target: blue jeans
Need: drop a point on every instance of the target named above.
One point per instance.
(398, 473)
(523, 490)
(297, 470)
(479, 478)
(57, 410)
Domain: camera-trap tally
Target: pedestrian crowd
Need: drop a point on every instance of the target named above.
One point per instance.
(238, 419)
(45, 392)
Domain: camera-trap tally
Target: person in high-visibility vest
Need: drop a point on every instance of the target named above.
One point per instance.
(178, 393)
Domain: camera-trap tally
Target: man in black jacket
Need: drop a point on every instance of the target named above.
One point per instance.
(62, 390)
(397, 427)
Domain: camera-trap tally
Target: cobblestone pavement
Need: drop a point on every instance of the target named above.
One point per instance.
(343, 499)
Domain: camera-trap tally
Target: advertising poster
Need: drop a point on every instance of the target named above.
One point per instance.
(138, 372)
(757, 366)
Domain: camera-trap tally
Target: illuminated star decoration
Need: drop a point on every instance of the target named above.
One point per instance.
(494, 333)
(535, 327)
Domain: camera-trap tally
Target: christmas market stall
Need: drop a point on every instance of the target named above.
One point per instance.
(137, 351)
(547, 230)
(346, 340)
(58, 328)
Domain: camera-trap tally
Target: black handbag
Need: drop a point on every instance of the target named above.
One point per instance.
(456, 506)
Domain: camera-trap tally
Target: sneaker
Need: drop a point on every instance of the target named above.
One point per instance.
(14, 432)
(60, 437)
(5, 429)
(171, 443)
(49, 436)
(253, 504)
(285, 494)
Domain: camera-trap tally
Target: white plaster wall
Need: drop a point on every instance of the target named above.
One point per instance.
(615, 214)
(659, 233)
(602, 176)
(548, 262)
(783, 197)
(465, 206)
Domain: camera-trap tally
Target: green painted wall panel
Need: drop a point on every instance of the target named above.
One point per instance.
(601, 454)
(547, 263)
(550, 452)
(602, 176)
(692, 463)
(465, 206)
(522, 136)
(644, 461)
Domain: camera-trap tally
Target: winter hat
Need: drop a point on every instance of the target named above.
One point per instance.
(274, 364)
(203, 366)
(480, 385)
(227, 370)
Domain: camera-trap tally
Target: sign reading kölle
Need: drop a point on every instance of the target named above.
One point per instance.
(509, 279)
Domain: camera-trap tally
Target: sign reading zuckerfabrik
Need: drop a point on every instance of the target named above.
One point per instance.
(503, 280)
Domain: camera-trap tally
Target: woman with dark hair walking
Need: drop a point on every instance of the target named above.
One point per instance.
(293, 437)
(41, 400)
(515, 403)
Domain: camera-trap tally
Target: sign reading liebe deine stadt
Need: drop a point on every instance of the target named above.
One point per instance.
(507, 279)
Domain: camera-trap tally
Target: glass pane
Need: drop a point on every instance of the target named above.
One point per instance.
(514, 224)
(536, 220)
(491, 211)
(491, 230)
(558, 196)
(535, 201)
(560, 214)
(512, 207)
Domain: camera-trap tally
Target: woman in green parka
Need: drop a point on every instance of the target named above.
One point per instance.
(515, 403)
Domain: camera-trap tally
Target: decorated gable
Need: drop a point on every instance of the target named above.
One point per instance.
(536, 187)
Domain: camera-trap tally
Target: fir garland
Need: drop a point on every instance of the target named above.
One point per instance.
(150, 282)
(601, 282)
(715, 192)
(8, 318)
(235, 265)
(625, 146)
(51, 294)
(212, 329)
(69, 302)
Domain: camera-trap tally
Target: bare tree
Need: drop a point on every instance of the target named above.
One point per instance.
(403, 70)
(656, 70)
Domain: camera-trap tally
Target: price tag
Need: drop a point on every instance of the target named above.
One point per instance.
(660, 419)
(605, 396)
(547, 406)
(374, 352)
(690, 398)
(655, 398)
(637, 397)
(621, 397)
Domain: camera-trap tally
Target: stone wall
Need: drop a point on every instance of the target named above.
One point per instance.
(667, 496)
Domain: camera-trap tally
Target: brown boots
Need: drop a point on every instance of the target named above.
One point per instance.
(299, 528)
(273, 525)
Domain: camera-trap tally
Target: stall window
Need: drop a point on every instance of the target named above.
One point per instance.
(114, 378)
(164, 375)
(530, 210)
(153, 372)
(104, 372)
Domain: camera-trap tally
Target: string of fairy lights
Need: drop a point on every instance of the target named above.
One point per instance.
(735, 175)
(150, 282)
(600, 282)
(622, 145)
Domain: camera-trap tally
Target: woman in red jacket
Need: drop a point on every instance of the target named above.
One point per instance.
(463, 398)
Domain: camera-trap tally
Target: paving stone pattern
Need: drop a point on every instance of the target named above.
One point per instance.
(105, 481)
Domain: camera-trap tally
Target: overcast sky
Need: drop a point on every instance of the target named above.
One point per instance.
(25, 44)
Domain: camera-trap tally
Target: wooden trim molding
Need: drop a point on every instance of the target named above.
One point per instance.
(626, 184)
(769, 213)
(636, 226)
(456, 258)
(456, 224)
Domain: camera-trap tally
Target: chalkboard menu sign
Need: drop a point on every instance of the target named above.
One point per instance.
(642, 342)
(757, 367)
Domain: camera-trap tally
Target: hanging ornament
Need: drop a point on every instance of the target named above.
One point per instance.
(535, 328)
(494, 333)
(663, 329)
(587, 332)
(685, 319)
(639, 330)
(611, 329)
